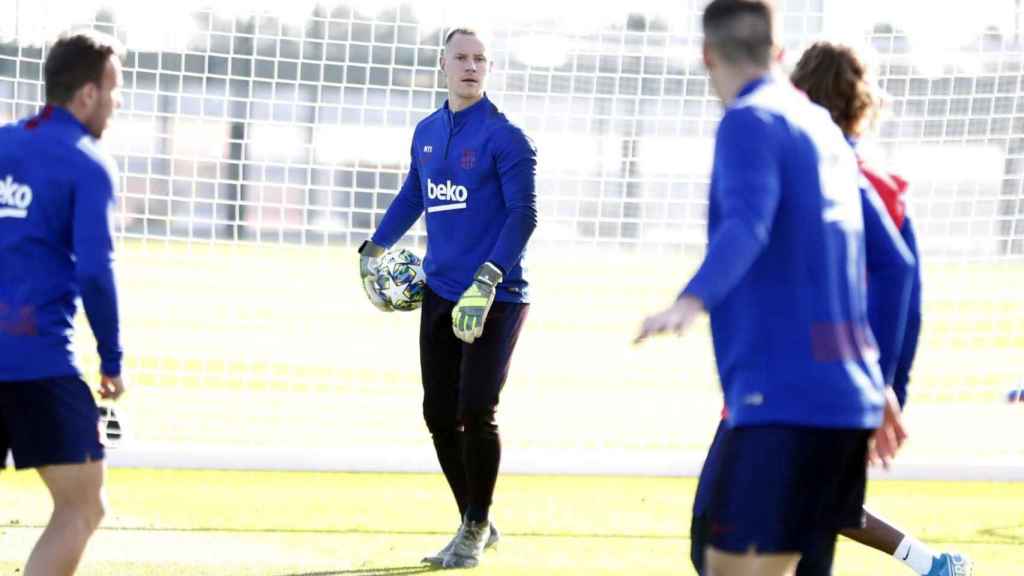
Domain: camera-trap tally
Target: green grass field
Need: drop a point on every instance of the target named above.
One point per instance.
(291, 524)
(259, 345)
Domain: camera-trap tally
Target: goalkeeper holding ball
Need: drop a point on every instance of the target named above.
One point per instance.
(473, 173)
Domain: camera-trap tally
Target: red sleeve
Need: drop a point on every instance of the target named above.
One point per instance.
(890, 189)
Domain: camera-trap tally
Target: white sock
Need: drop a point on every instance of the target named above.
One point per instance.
(914, 554)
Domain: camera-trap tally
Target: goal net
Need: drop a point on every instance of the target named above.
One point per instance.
(260, 143)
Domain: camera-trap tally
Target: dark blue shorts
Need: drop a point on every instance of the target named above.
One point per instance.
(46, 422)
(702, 500)
(786, 489)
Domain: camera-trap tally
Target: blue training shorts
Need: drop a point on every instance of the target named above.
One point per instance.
(46, 422)
(786, 488)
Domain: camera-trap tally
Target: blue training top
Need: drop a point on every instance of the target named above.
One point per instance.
(473, 172)
(890, 269)
(889, 189)
(784, 274)
(57, 190)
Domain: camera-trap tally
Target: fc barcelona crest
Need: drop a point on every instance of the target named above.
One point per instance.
(468, 160)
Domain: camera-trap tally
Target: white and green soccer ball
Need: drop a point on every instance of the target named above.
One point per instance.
(400, 279)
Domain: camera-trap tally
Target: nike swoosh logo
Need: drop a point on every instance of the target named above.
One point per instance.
(905, 556)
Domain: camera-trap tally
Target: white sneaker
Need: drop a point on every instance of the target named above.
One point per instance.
(468, 545)
(438, 559)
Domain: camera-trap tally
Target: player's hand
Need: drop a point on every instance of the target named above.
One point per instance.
(888, 438)
(676, 318)
(111, 387)
(470, 312)
(369, 267)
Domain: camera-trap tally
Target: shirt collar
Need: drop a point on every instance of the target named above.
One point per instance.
(474, 110)
(754, 84)
(59, 115)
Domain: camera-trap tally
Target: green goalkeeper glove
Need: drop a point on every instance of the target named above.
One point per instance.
(470, 313)
(369, 267)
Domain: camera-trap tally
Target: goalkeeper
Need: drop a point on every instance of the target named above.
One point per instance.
(473, 173)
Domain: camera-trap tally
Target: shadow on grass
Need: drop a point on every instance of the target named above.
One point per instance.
(384, 571)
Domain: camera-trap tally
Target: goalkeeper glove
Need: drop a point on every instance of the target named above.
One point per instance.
(469, 314)
(369, 267)
(111, 428)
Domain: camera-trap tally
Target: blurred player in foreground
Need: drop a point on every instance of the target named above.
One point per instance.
(833, 77)
(783, 280)
(56, 207)
(473, 172)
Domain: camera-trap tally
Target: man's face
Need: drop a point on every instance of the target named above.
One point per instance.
(106, 98)
(465, 65)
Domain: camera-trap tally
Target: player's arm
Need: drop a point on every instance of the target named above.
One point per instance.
(890, 267)
(403, 212)
(913, 329)
(516, 162)
(93, 246)
(747, 192)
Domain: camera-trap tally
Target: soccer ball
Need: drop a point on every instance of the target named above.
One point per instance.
(400, 279)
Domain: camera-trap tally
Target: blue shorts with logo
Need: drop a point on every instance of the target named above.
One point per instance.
(47, 422)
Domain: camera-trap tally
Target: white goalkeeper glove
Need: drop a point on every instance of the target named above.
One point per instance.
(369, 267)
(470, 312)
(111, 426)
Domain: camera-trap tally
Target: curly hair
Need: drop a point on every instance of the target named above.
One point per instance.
(834, 77)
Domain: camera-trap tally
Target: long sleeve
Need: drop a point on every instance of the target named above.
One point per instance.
(517, 169)
(890, 276)
(404, 210)
(913, 330)
(94, 258)
(746, 190)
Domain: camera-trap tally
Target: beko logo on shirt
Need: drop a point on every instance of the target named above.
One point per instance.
(15, 198)
(448, 192)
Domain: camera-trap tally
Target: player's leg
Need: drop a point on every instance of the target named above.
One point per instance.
(884, 537)
(485, 365)
(77, 511)
(817, 554)
(440, 357)
(52, 425)
(721, 563)
(876, 533)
